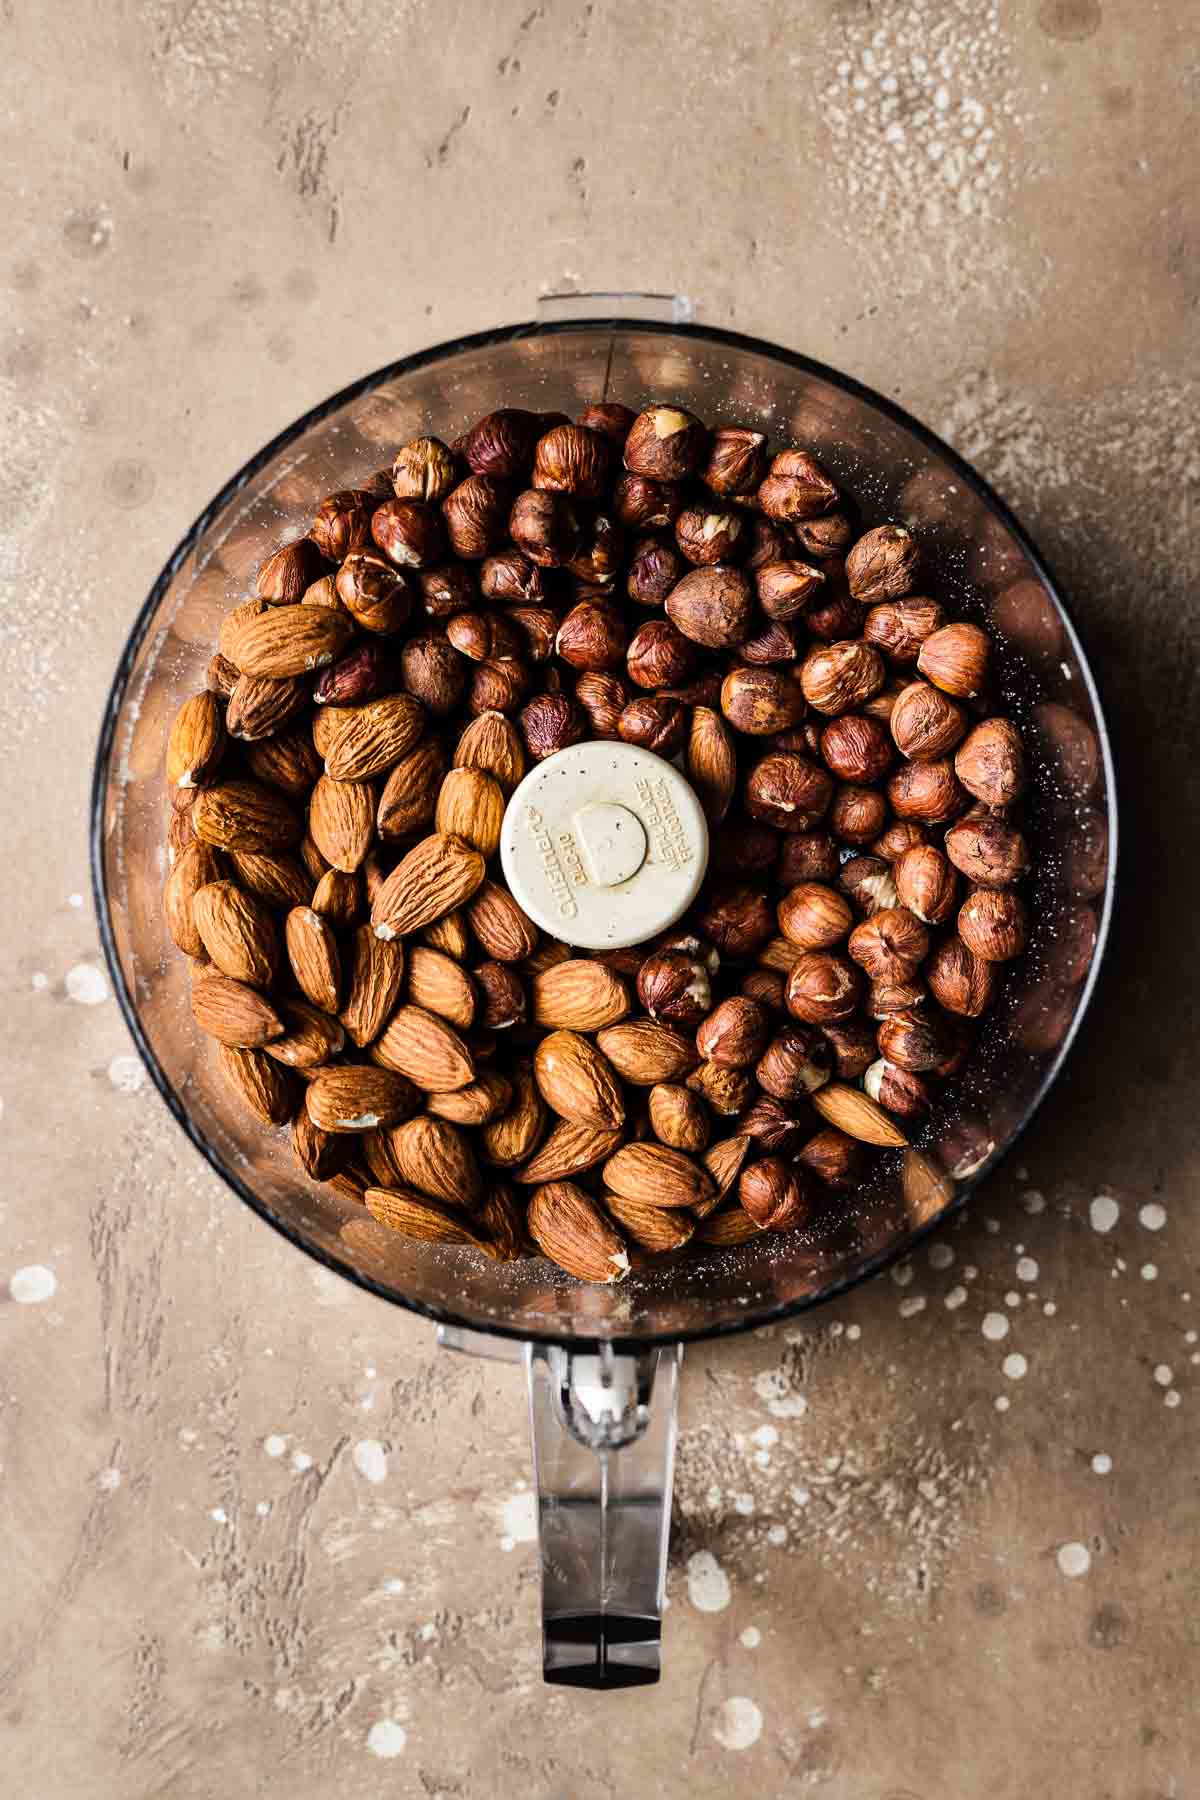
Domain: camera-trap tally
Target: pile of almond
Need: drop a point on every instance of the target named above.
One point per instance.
(338, 791)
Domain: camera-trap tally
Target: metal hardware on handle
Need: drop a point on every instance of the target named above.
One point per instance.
(480, 1343)
(669, 309)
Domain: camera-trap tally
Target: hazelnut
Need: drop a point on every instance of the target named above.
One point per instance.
(833, 1158)
(370, 669)
(853, 1044)
(283, 578)
(538, 628)
(926, 884)
(423, 470)
(796, 1062)
(856, 748)
(654, 569)
(503, 996)
(509, 575)
(342, 524)
(1041, 1017)
(705, 691)
(960, 980)
(771, 1125)
(484, 636)
(787, 791)
(882, 705)
(610, 418)
(989, 851)
(1085, 856)
(713, 607)
(1070, 749)
(777, 1196)
(834, 619)
(409, 533)
(891, 996)
(592, 636)
(476, 516)
(596, 562)
(857, 814)
(761, 701)
(571, 459)
(679, 1119)
(603, 698)
(767, 541)
(640, 502)
(899, 1091)
(655, 722)
(823, 987)
(890, 945)
(869, 884)
(994, 924)
(796, 488)
(913, 1039)
(808, 856)
(836, 678)
(926, 791)
(674, 985)
(786, 588)
(737, 458)
(766, 986)
(924, 723)
(957, 1047)
(743, 848)
(434, 673)
(990, 763)
(707, 536)
(1069, 955)
(955, 659)
(814, 917)
(501, 444)
(551, 722)
(665, 443)
(545, 526)
(900, 836)
(727, 1091)
(377, 596)
(738, 919)
(898, 628)
(735, 1033)
(827, 538)
(446, 590)
(777, 642)
(659, 655)
(498, 686)
(883, 565)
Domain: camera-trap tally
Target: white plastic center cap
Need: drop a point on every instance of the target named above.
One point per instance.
(604, 845)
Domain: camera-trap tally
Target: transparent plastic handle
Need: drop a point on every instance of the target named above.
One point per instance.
(669, 309)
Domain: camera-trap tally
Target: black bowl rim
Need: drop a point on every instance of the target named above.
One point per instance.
(439, 353)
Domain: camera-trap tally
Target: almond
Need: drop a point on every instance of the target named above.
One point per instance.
(288, 640)
(310, 1037)
(238, 933)
(477, 1104)
(316, 864)
(504, 930)
(245, 815)
(259, 705)
(357, 1097)
(418, 1044)
(436, 1159)
(338, 898)
(568, 1228)
(711, 763)
(579, 996)
(678, 1118)
(732, 1225)
(312, 951)
(373, 737)
(279, 880)
(449, 935)
(233, 1013)
(657, 1175)
(195, 867)
(197, 742)
(438, 984)
(234, 623)
(645, 1052)
(437, 875)
(856, 1114)
(287, 762)
(724, 1163)
(577, 1081)
(569, 1150)
(504, 1222)
(376, 974)
(376, 1152)
(653, 1228)
(327, 723)
(321, 1154)
(470, 805)
(341, 821)
(511, 1138)
(927, 1189)
(410, 794)
(271, 1092)
(493, 744)
(415, 1216)
(350, 1183)
(548, 955)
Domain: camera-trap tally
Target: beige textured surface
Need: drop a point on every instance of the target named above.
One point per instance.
(217, 211)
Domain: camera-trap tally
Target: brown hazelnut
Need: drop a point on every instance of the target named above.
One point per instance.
(363, 673)
(446, 590)
(509, 575)
(674, 985)
(342, 524)
(476, 516)
(924, 723)
(990, 763)
(777, 1196)
(856, 748)
(423, 470)
(538, 628)
(808, 856)
(883, 565)
(655, 722)
(706, 535)
(823, 987)
(283, 578)
(787, 791)
(814, 917)
(796, 1062)
(777, 642)
(857, 814)
(1069, 747)
(498, 686)
(892, 996)
(988, 851)
(743, 848)
(899, 1091)
(796, 488)
(890, 945)
(761, 701)
(545, 526)
(1069, 955)
(834, 619)
(503, 996)
(913, 1039)
(927, 792)
(827, 538)
(786, 588)
(665, 443)
(955, 659)
(484, 636)
(853, 1044)
(641, 503)
(659, 655)
(898, 628)
(501, 444)
(409, 533)
(837, 678)
(679, 1118)
(704, 691)
(603, 698)
(610, 418)
(833, 1158)
(1085, 856)
(727, 1091)
(771, 1125)
(596, 561)
(766, 986)
(959, 980)
(735, 1033)
(926, 884)
(571, 459)
(434, 673)
(737, 458)
(994, 924)
(1041, 1016)
(592, 636)
(713, 607)
(901, 835)
(738, 919)
(767, 541)
(958, 1036)
(654, 569)
(882, 705)
(551, 722)
(869, 884)
(377, 596)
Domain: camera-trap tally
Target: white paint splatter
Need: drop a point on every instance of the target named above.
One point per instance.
(1164, 1375)
(126, 1074)
(955, 1298)
(1149, 1271)
(263, 1508)
(1074, 1560)
(902, 1274)
(1172, 1397)
(275, 1445)
(994, 1327)
(1152, 1216)
(708, 1584)
(940, 1256)
(1191, 1337)
(854, 1332)
(766, 1437)
(370, 1459)
(1049, 1309)
(1033, 1201)
(519, 1519)
(39, 982)
(910, 1307)
(301, 1461)
(86, 985)
(33, 1284)
(75, 900)
(738, 1724)
(1103, 1212)
(386, 1738)
(743, 1504)
(1015, 1366)
(1101, 1463)
(772, 1388)
(1027, 1269)
(777, 1535)
(1012, 1298)
(219, 1515)
(1001, 1403)
(109, 1480)
(751, 1638)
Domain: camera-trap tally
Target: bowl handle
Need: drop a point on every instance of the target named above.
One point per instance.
(667, 309)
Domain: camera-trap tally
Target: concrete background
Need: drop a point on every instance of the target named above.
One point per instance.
(258, 1537)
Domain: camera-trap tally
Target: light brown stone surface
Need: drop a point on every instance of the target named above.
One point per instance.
(218, 211)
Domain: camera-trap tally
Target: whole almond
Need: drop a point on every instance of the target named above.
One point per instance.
(287, 762)
(416, 1216)
(376, 975)
(504, 1222)
(731, 1225)
(287, 640)
(195, 867)
(483, 1100)
(311, 1036)
(271, 1092)
(724, 1163)
(492, 743)
(375, 1148)
(471, 806)
(568, 1228)
(418, 1044)
(374, 737)
(579, 996)
(259, 705)
(410, 794)
(711, 762)
(657, 1175)
(441, 986)
(197, 742)
(327, 722)
(238, 933)
(569, 1150)
(321, 1154)
(437, 1159)
(245, 815)
(233, 1013)
(449, 935)
(313, 860)
(277, 879)
(653, 1228)
(577, 1081)
(645, 1052)
(341, 821)
(927, 1189)
(437, 875)
(357, 1097)
(233, 624)
(679, 1118)
(504, 930)
(511, 1138)
(350, 1183)
(856, 1114)
(312, 949)
(338, 898)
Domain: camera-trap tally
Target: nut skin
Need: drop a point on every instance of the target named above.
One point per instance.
(961, 981)
(476, 516)
(502, 443)
(735, 1033)
(827, 538)
(603, 698)
(409, 533)
(593, 636)
(994, 924)
(423, 470)
(823, 988)
(956, 659)
(888, 996)
(813, 916)
(679, 1118)
(342, 523)
(857, 814)
(766, 986)
(509, 575)
(925, 724)
(898, 628)
(546, 527)
(853, 1044)
(926, 884)
(498, 686)
(796, 488)
(571, 459)
(727, 1091)
(363, 673)
(610, 418)
(641, 503)
(598, 557)
(787, 588)
(654, 722)
(900, 836)
(835, 619)
(283, 578)
(502, 996)
(837, 678)
(869, 884)
(737, 460)
(446, 590)
(675, 986)
(988, 851)
(538, 626)
(771, 1125)
(787, 791)
(744, 848)
(759, 702)
(713, 607)
(485, 636)
(666, 443)
(777, 1195)
(377, 596)
(796, 1062)
(738, 919)
(707, 535)
(808, 856)
(926, 792)
(856, 748)
(914, 1040)
(777, 642)
(659, 655)
(899, 1091)
(655, 568)
(835, 1159)
(990, 763)
(769, 541)
(890, 945)
(883, 565)
(551, 722)
(434, 673)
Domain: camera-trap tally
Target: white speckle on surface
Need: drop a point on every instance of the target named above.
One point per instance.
(86, 984)
(519, 1519)
(126, 1074)
(301, 1461)
(263, 1508)
(386, 1738)
(778, 1534)
(775, 1391)
(955, 1298)
(109, 1480)
(1033, 1202)
(1027, 1269)
(902, 1274)
(1001, 1403)
(1191, 1337)
(994, 1327)
(910, 1307)
(1149, 1271)
(219, 1515)
(1014, 1365)
(1103, 1212)
(275, 1445)
(969, 1271)
(940, 1256)
(370, 1372)
(765, 1437)
(1101, 1463)
(39, 982)
(187, 1437)
(708, 1584)
(800, 1495)
(75, 900)
(1049, 1309)
(816, 1720)
(370, 1459)
(854, 1332)
(33, 1284)
(1172, 1397)
(751, 1638)
(762, 1459)
(1152, 1216)
(1164, 1375)
(743, 1504)
(1074, 1559)
(1012, 1298)
(738, 1724)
